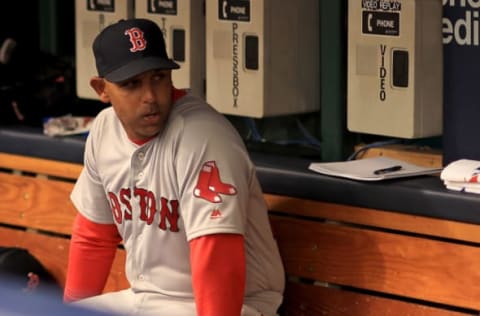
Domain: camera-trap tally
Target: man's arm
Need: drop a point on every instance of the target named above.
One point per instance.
(92, 250)
(218, 274)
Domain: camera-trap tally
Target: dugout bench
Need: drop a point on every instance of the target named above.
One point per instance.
(399, 247)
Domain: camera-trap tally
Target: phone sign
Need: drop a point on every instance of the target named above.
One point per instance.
(166, 7)
(234, 10)
(101, 5)
(381, 23)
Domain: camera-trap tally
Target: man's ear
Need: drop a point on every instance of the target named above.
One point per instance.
(98, 84)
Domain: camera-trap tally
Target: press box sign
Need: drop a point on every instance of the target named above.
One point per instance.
(235, 11)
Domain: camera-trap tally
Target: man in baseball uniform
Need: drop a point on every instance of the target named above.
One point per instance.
(168, 176)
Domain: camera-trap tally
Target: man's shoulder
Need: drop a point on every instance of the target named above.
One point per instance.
(106, 114)
(197, 119)
(191, 106)
(105, 120)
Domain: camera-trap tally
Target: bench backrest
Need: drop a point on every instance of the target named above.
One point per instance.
(339, 259)
(36, 213)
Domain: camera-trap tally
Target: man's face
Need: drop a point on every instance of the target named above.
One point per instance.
(142, 103)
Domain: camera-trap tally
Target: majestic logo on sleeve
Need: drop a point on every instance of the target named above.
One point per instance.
(139, 42)
(210, 186)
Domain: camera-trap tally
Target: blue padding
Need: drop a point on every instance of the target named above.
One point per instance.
(30, 141)
(423, 195)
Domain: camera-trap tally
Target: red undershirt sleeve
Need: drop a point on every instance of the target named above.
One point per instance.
(92, 250)
(218, 274)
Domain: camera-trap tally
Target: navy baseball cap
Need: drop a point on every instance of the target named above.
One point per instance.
(129, 47)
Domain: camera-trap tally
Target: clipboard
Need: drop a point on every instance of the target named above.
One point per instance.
(371, 169)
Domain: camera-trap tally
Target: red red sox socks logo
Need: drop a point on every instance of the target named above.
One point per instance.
(33, 282)
(209, 185)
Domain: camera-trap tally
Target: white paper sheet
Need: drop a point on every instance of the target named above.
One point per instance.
(364, 169)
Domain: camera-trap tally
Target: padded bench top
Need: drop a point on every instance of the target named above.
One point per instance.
(423, 195)
(30, 141)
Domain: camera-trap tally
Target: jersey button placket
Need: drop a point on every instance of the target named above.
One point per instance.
(140, 157)
(137, 174)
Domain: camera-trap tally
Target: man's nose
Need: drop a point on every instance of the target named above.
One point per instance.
(148, 92)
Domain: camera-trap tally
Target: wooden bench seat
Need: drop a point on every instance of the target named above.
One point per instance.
(343, 260)
(339, 259)
(36, 214)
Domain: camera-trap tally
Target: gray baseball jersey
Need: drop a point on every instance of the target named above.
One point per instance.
(194, 179)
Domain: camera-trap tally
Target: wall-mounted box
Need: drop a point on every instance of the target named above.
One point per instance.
(395, 68)
(262, 56)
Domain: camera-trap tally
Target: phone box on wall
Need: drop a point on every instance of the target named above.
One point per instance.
(461, 39)
(92, 16)
(183, 26)
(263, 56)
(394, 85)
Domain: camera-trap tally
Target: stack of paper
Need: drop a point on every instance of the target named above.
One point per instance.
(462, 175)
(67, 125)
(371, 169)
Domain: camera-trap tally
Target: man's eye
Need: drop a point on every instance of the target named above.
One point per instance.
(128, 84)
(159, 76)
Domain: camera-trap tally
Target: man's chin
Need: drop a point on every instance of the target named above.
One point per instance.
(151, 131)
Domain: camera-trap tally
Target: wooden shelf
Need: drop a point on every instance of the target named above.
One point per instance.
(422, 156)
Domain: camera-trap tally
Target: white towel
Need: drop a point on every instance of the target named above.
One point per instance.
(463, 186)
(463, 170)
